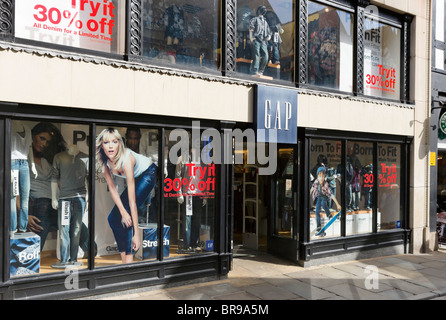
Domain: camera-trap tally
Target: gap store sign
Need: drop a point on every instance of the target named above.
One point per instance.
(276, 110)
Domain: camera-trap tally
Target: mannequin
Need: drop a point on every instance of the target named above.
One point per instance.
(259, 35)
(70, 169)
(191, 203)
(173, 19)
(276, 40)
(20, 178)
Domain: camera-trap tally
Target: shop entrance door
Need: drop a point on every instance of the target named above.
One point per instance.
(283, 240)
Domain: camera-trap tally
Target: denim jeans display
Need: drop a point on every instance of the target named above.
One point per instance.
(70, 233)
(259, 56)
(321, 202)
(20, 221)
(143, 186)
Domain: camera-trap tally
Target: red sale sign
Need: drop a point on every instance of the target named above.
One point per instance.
(88, 24)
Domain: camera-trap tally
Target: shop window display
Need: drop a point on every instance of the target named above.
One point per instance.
(178, 32)
(359, 187)
(92, 25)
(127, 194)
(265, 38)
(389, 187)
(330, 47)
(325, 192)
(49, 214)
(189, 195)
(382, 58)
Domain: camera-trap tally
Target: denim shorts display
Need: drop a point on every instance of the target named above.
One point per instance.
(20, 220)
(144, 184)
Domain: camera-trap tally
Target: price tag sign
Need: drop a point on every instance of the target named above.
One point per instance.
(15, 183)
(65, 219)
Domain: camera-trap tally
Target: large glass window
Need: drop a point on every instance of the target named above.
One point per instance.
(49, 187)
(359, 187)
(189, 194)
(126, 195)
(95, 25)
(182, 32)
(330, 47)
(265, 38)
(389, 186)
(325, 192)
(382, 59)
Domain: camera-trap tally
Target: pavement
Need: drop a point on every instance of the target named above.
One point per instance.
(260, 276)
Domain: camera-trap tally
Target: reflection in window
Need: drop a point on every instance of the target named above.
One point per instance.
(189, 197)
(265, 38)
(330, 47)
(389, 186)
(382, 48)
(182, 32)
(49, 215)
(126, 207)
(325, 194)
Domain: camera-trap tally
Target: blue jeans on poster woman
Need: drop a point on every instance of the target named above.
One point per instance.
(321, 202)
(70, 234)
(144, 184)
(24, 185)
(259, 56)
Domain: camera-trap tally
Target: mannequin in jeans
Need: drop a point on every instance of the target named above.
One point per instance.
(20, 179)
(70, 169)
(259, 35)
(191, 204)
(321, 194)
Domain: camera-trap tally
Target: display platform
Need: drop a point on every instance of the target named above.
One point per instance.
(24, 254)
(149, 241)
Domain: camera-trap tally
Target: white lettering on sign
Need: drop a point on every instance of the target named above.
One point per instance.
(278, 116)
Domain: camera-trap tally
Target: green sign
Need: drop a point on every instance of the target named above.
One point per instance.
(443, 123)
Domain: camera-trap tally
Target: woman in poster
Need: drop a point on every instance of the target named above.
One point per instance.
(114, 158)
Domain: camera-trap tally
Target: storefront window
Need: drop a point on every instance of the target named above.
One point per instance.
(127, 172)
(189, 195)
(359, 187)
(265, 38)
(382, 58)
(94, 25)
(182, 32)
(330, 47)
(325, 191)
(389, 187)
(49, 207)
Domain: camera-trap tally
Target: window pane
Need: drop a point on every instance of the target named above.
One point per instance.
(330, 47)
(179, 32)
(189, 195)
(325, 194)
(127, 169)
(359, 187)
(389, 179)
(285, 194)
(49, 215)
(73, 23)
(265, 38)
(382, 56)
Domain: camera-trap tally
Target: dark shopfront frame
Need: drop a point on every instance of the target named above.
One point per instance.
(362, 243)
(106, 279)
